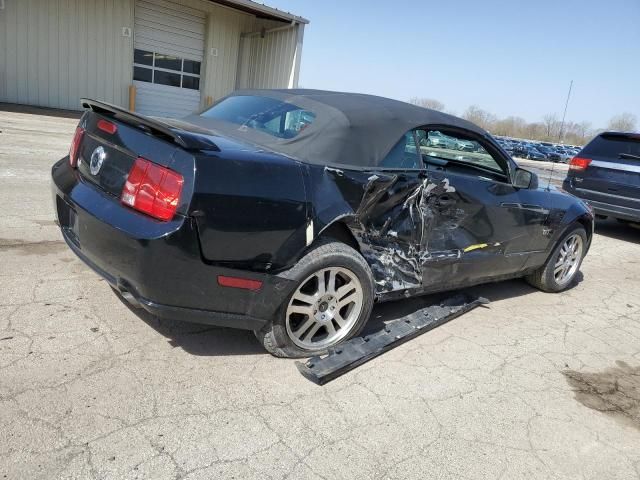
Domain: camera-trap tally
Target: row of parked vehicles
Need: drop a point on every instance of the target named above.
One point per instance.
(518, 148)
(538, 150)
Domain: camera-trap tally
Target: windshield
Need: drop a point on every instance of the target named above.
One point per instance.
(268, 115)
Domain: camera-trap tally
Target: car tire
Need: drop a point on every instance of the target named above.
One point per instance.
(564, 258)
(291, 332)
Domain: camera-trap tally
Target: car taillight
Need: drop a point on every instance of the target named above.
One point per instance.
(74, 150)
(579, 163)
(152, 189)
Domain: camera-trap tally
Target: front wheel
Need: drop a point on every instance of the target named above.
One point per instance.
(331, 302)
(563, 264)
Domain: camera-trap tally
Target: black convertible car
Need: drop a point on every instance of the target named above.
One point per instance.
(290, 212)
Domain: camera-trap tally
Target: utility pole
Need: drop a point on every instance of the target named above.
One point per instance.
(565, 113)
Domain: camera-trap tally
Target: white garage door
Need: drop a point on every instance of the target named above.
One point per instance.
(169, 46)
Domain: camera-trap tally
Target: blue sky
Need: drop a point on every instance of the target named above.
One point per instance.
(508, 57)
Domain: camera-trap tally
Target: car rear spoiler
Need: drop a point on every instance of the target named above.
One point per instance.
(181, 138)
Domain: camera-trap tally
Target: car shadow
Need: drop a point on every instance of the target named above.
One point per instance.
(618, 230)
(205, 340)
(198, 339)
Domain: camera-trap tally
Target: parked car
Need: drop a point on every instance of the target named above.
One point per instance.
(508, 147)
(290, 212)
(437, 139)
(519, 150)
(465, 145)
(564, 154)
(534, 154)
(549, 153)
(606, 173)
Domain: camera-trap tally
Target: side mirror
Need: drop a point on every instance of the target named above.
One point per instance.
(525, 179)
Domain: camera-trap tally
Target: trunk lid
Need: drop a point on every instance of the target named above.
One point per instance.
(114, 138)
(105, 159)
(104, 162)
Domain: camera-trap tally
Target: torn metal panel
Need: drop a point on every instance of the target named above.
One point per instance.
(393, 217)
(398, 250)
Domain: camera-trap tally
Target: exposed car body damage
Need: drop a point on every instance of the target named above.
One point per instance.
(393, 223)
(413, 240)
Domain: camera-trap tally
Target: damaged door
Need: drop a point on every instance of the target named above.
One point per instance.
(476, 226)
(439, 212)
(389, 221)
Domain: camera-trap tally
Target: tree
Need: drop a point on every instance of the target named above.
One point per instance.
(534, 131)
(427, 103)
(480, 117)
(547, 130)
(625, 122)
(551, 126)
(583, 129)
(510, 127)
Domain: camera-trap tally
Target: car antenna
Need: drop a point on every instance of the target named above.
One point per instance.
(553, 166)
(566, 104)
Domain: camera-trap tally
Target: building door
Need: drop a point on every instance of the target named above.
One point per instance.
(168, 55)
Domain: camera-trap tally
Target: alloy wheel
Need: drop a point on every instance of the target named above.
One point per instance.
(324, 308)
(568, 259)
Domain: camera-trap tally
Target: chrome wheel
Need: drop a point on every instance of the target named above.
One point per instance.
(324, 308)
(568, 259)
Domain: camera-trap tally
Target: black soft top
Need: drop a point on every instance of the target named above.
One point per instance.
(350, 129)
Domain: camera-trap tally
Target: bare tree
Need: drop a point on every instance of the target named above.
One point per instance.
(551, 125)
(510, 126)
(427, 103)
(480, 117)
(547, 130)
(625, 122)
(583, 129)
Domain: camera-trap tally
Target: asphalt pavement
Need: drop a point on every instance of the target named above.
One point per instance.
(536, 386)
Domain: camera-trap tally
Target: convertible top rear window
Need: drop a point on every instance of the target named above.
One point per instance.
(268, 115)
(325, 128)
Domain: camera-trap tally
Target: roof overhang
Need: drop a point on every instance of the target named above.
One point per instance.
(261, 11)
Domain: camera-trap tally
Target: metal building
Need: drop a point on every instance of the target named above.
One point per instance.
(159, 57)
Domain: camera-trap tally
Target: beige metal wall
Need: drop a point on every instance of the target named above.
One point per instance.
(272, 61)
(234, 62)
(54, 52)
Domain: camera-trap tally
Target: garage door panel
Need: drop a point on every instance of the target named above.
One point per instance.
(190, 24)
(170, 34)
(163, 101)
(176, 27)
(171, 7)
(166, 28)
(149, 39)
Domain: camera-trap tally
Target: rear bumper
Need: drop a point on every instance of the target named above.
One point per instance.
(157, 265)
(603, 205)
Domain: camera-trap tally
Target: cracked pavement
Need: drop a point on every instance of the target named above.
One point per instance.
(90, 389)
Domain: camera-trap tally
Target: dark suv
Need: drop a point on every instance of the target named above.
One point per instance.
(606, 174)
